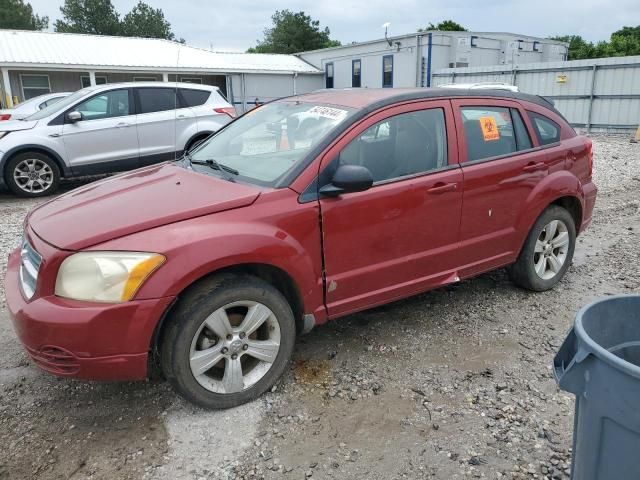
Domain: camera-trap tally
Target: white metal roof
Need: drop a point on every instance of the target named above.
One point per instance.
(20, 48)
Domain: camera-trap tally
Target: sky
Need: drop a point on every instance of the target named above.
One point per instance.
(235, 25)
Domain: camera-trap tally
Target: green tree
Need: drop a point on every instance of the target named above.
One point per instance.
(293, 32)
(98, 17)
(623, 42)
(146, 21)
(444, 26)
(19, 15)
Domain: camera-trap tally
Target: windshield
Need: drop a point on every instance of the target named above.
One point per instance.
(58, 106)
(267, 142)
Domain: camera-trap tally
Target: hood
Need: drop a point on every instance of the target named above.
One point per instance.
(133, 202)
(15, 125)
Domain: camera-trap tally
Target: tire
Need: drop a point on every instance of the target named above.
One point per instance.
(32, 174)
(540, 265)
(186, 336)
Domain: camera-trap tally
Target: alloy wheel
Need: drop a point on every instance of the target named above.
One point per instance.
(33, 175)
(234, 347)
(551, 249)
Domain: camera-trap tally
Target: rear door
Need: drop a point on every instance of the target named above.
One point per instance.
(160, 125)
(399, 237)
(502, 163)
(105, 139)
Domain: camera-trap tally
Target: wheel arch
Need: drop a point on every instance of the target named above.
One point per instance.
(271, 274)
(202, 135)
(64, 170)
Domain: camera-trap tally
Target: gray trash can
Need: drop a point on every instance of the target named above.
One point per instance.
(599, 362)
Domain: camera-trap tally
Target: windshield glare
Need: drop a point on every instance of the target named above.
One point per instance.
(58, 106)
(268, 141)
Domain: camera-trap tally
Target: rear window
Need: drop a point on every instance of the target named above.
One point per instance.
(193, 98)
(156, 99)
(547, 130)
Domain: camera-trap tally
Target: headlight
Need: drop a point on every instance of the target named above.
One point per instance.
(105, 276)
(2, 134)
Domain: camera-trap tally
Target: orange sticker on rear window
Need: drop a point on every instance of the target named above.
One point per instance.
(489, 129)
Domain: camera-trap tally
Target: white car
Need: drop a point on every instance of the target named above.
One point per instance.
(107, 128)
(31, 106)
(481, 86)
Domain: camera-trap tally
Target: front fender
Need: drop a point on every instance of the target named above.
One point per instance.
(548, 190)
(198, 247)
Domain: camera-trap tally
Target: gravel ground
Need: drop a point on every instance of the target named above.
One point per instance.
(452, 384)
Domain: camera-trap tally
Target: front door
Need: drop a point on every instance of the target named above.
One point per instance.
(399, 237)
(105, 139)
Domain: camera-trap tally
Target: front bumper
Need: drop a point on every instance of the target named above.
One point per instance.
(93, 341)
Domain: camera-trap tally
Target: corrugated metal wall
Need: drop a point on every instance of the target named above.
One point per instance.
(598, 94)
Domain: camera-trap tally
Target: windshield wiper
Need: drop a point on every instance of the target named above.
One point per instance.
(215, 165)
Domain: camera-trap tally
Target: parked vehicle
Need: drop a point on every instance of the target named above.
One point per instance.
(31, 106)
(107, 128)
(481, 86)
(207, 268)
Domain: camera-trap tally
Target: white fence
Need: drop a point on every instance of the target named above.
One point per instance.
(600, 94)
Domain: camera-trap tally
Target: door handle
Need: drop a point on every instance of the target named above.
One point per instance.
(534, 167)
(181, 117)
(123, 124)
(442, 187)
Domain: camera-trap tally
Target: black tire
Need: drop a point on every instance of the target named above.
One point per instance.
(52, 177)
(523, 272)
(195, 142)
(189, 314)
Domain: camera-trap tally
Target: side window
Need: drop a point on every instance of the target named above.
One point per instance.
(546, 129)
(523, 141)
(488, 132)
(107, 105)
(156, 99)
(193, 98)
(402, 145)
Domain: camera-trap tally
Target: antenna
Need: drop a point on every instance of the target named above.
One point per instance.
(386, 26)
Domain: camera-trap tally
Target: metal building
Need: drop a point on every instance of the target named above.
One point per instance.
(596, 94)
(410, 60)
(34, 63)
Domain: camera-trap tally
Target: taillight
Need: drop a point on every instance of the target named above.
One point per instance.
(590, 154)
(226, 110)
(5, 116)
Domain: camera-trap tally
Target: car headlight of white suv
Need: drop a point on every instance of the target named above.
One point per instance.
(105, 276)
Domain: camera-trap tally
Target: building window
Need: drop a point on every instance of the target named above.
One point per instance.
(191, 80)
(474, 41)
(85, 81)
(387, 71)
(34, 85)
(145, 79)
(536, 46)
(328, 74)
(356, 73)
(520, 44)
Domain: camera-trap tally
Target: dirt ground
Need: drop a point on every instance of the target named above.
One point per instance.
(451, 384)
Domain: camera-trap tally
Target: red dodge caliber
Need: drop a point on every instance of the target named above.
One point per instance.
(301, 211)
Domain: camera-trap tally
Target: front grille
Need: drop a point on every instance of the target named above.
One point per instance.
(30, 262)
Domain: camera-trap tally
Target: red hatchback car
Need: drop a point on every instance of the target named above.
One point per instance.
(301, 211)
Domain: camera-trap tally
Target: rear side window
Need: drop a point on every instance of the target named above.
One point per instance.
(193, 98)
(156, 99)
(488, 132)
(547, 130)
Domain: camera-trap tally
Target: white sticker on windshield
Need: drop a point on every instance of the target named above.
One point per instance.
(329, 112)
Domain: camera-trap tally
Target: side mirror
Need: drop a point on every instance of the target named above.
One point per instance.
(74, 116)
(348, 178)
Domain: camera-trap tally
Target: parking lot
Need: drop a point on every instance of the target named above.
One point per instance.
(451, 384)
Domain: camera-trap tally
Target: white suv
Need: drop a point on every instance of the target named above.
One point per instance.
(107, 128)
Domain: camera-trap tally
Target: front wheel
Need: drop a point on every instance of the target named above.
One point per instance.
(32, 174)
(547, 252)
(228, 341)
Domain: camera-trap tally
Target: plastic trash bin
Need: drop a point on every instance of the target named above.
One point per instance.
(599, 362)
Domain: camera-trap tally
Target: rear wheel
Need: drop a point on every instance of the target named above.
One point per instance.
(547, 252)
(228, 341)
(32, 174)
